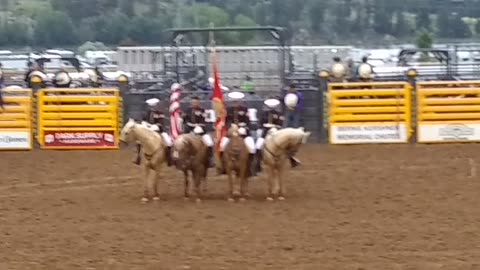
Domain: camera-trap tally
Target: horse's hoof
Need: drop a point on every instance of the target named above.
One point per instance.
(231, 200)
(186, 198)
(281, 198)
(270, 199)
(144, 200)
(236, 194)
(156, 198)
(243, 199)
(198, 200)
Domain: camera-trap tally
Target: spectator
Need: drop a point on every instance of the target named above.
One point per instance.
(248, 85)
(351, 70)
(293, 112)
(365, 70)
(338, 71)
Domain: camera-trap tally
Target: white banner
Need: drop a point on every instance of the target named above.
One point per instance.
(15, 140)
(368, 133)
(454, 132)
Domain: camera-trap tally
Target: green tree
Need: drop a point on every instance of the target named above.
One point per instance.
(424, 40)
(112, 29)
(54, 28)
(316, 15)
(401, 28)
(127, 7)
(423, 19)
(17, 32)
(244, 37)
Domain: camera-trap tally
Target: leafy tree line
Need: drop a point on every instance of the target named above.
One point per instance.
(49, 23)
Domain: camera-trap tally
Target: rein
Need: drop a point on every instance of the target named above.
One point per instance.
(282, 150)
(150, 156)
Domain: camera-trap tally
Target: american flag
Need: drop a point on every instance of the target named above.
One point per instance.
(175, 115)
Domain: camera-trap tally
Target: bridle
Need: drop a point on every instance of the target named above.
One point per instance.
(282, 149)
(149, 157)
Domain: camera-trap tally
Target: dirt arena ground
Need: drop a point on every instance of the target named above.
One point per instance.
(350, 207)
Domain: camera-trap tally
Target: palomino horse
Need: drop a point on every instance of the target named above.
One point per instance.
(279, 144)
(153, 150)
(190, 154)
(235, 157)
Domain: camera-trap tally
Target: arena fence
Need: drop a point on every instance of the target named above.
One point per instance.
(78, 118)
(374, 112)
(16, 120)
(448, 111)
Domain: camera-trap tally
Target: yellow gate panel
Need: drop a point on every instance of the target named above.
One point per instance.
(374, 112)
(16, 120)
(448, 111)
(78, 118)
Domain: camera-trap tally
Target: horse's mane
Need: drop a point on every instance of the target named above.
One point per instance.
(287, 136)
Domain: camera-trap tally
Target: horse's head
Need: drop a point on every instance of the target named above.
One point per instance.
(126, 134)
(234, 130)
(183, 152)
(291, 139)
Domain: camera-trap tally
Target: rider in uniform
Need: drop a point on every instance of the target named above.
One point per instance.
(194, 117)
(238, 114)
(156, 116)
(271, 119)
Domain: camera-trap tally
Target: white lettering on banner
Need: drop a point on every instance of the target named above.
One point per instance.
(359, 134)
(455, 132)
(15, 140)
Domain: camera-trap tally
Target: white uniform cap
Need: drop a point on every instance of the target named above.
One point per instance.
(272, 103)
(236, 95)
(152, 102)
(175, 86)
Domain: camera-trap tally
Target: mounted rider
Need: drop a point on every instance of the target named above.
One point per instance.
(194, 119)
(271, 121)
(238, 114)
(155, 116)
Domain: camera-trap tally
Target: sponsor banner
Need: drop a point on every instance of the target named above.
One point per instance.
(368, 133)
(15, 140)
(453, 132)
(79, 139)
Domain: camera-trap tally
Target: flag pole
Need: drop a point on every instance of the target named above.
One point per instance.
(218, 113)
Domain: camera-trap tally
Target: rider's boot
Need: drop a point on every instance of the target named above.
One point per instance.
(210, 157)
(138, 158)
(294, 162)
(168, 155)
(252, 170)
(258, 163)
(221, 167)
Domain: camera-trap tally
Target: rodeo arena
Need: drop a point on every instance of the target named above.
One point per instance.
(223, 157)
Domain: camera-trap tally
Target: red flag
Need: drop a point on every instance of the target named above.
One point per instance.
(218, 105)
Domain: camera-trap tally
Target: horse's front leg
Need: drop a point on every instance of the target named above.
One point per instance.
(244, 188)
(146, 176)
(186, 193)
(281, 178)
(197, 179)
(269, 174)
(154, 183)
(230, 186)
(276, 183)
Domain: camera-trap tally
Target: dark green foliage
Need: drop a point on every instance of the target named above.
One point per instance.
(72, 22)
